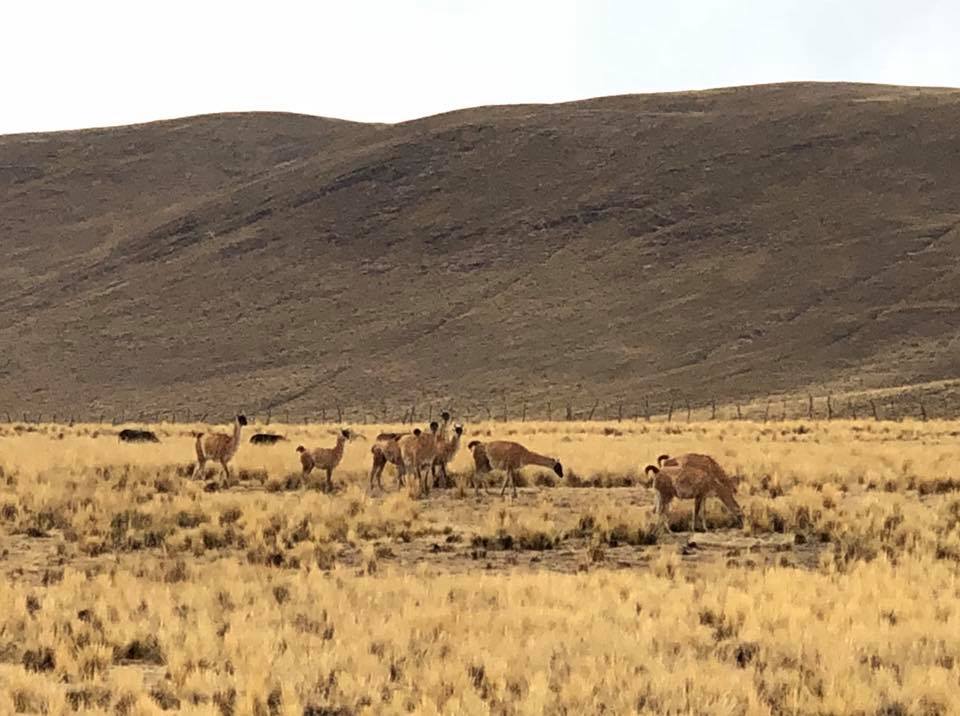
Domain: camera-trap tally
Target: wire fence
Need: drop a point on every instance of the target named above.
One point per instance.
(811, 407)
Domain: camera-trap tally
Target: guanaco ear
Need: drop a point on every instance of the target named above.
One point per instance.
(651, 468)
(661, 459)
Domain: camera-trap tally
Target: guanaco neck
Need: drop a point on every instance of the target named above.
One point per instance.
(236, 433)
(532, 458)
(453, 444)
(338, 449)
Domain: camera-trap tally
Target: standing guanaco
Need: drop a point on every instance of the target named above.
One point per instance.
(447, 448)
(418, 451)
(325, 458)
(218, 446)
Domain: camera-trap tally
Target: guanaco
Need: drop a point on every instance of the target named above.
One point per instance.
(325, 458)
(218, 446)
(447, 448)
(418, 451)
(510, 457)
(386, 450)
(698, 478)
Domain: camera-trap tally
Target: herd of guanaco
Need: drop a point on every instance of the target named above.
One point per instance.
(426, 456)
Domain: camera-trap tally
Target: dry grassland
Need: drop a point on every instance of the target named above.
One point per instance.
(131, 588)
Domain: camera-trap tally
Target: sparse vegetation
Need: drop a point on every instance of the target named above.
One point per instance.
(128, 588)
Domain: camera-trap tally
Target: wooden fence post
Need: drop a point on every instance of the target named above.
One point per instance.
(810, 407)
(549, 411)
(923, 412)
(593, 409)
(569, 412)
(739, 416)
(670, 412)
(620, 412)
(766, 413)
(523, 415)
(646, 408)
(688, 411)
(829, 408)
(713, 409)
(873, 406)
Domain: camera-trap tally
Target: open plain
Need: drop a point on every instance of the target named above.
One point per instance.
(130, 587)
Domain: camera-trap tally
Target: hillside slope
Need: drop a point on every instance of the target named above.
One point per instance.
(724, 244)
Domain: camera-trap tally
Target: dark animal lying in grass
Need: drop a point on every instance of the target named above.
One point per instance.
(266, 439)
(135, 435)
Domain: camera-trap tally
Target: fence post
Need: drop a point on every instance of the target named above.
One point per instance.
(339, 413)
(523, 415)
(783, 413)
(852, 409)
(646, 408)
(829, 408)
(569, 412)
(923, 412)
(620, 412)
(670, 412)
(713, 409)
(873, 407)
(593, 409)
(766, 413)
(688, 411)
(739, 415)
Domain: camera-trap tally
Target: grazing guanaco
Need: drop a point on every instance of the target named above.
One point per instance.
(418, 451)
(698, 478)
(218, 446)
(510, 457)
(386, 450)
(325, 458)
(698, 460)
(447, 448)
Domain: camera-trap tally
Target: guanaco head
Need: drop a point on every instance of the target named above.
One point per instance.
(351, 435)
(662, 459)
(472, 444)
(417, 431)
(301, 448)
(651, 468)
(434, 426)
(458, 429)
(242, 419)
(445, 416)
(558, 468)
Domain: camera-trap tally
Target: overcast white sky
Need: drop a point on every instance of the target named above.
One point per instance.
(85, 63)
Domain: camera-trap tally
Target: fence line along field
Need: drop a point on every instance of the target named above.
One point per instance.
(132, 586)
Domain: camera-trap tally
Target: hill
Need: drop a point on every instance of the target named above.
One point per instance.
(726, 244)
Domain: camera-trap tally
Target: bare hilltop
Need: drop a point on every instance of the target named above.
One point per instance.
(727, 244)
